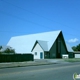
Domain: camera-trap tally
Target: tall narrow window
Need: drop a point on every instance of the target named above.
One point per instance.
(59, 40)
(59, 45)
(35, 53)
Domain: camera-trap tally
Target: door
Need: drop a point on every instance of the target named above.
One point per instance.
(41, 55)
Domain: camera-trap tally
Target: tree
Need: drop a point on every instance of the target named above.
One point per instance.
(76, 48)
(0, 47)
(9, 51)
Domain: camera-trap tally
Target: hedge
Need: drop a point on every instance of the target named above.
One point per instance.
(15, 57)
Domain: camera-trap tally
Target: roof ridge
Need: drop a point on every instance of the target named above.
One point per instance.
(37, 33)
(42, 40)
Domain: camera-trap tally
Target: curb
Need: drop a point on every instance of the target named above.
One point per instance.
(27, 65)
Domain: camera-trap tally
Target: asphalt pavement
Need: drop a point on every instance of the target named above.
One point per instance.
(32, 63)
(42, 72)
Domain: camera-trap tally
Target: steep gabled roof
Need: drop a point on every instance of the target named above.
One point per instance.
(69, 49)
(25, 43)
(43, 45)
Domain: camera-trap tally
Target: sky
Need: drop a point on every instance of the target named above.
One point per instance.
(23, 17)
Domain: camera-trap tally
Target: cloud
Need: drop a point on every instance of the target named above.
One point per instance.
(73, 40)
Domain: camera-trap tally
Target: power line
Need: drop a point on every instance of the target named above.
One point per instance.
(26, 19)
(37, 14)
(14, 16)
(8, 14)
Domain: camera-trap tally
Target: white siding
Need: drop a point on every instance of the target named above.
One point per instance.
(37, 49)
(77, 55)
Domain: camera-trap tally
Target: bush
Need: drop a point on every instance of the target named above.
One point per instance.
(9, 51)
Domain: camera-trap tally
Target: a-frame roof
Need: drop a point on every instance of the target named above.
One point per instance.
(25, 43)
(43, 45)
(69, 49)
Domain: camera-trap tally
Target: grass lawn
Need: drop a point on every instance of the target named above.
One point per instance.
(72, 60)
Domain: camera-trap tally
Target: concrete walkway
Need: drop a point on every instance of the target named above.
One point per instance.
(32, 63)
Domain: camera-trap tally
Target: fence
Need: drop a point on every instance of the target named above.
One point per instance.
(15, 57)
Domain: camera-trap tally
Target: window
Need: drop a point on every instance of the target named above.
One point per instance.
(35, 53)
(59, 40)
(59, 45)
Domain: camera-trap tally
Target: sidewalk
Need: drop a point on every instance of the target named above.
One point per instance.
(31, 63)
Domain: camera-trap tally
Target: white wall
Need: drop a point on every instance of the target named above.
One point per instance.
(77, 55)
(37, 49)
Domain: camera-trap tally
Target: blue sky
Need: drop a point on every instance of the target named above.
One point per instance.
(22, 17)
